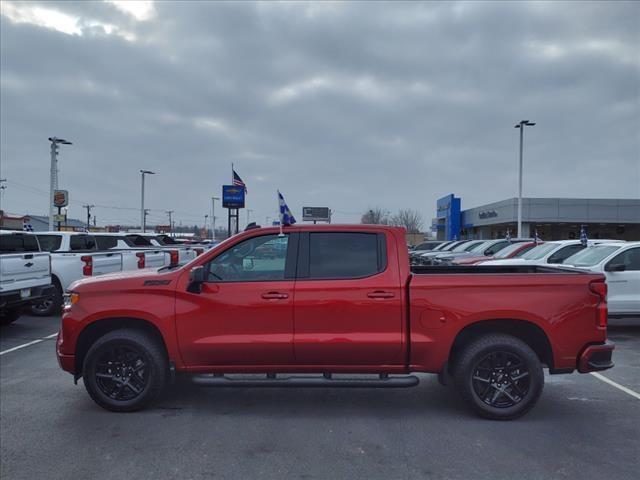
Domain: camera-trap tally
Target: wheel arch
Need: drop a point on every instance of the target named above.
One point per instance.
(97, 329)
(530, 333)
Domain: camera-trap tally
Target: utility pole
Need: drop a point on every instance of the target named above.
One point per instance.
(53, 175)
(169, 212)
(143, 212)
(88, 207)
(213, 216)
(521, 126)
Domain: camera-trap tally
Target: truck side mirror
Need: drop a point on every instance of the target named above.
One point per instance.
(196, 279)
(616, 267)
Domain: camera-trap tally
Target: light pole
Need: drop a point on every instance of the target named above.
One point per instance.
(142, 210)
(169, 212)
(205, 225)
(53, 178)
(213, 217)
(521, 125)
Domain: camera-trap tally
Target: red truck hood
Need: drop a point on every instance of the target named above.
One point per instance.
(120, 279)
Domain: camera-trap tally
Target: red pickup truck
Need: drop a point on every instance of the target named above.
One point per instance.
(336, 299)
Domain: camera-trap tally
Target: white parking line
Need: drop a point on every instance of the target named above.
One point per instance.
(617, 385)
(29, 344)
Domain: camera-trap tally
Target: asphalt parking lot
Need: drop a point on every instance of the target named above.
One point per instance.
(582, 427)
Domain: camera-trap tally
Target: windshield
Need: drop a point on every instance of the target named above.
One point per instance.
(166, 240)
(540, 251)
(507, 251)
(442, 246)
(590, 256)
(480, 248)
(139, 241)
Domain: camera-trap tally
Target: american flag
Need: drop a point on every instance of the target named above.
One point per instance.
(237, 181)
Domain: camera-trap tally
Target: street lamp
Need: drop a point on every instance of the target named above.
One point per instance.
(53, 177)
(205, 225)
(213, 217)
(142, 210)
(521, 125)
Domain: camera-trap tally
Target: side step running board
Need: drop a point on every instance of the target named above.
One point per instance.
(306, 382)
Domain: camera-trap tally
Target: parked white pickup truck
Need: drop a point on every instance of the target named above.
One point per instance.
(181, 254)
(25, 274)
(620, 263)
(134, 257)
(74, 256)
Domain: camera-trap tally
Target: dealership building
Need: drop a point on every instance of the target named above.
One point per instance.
(552, 218)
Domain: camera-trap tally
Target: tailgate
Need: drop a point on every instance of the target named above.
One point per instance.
(106, 263)
(24, 270)
(155, 258)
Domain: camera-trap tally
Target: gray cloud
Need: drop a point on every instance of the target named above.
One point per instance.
(341, 104)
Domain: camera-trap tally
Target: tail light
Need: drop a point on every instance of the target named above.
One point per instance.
(141, 259)
(174, 256)
(87, 269)
(600, 288)
(199, 251)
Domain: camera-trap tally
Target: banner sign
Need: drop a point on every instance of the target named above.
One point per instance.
(320, 214)
(60, 218)
(60, 198)
(232, 196)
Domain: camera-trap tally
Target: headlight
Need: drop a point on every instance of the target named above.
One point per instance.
(70, 299)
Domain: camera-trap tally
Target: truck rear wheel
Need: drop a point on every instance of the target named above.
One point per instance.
(125, 370)
(499, 376)
(9, 315)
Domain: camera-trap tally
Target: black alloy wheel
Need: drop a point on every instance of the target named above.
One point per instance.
(499, 376)
(501, 379)
(122, 372)
(125, 370)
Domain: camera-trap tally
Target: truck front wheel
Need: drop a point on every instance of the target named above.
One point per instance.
(499, 376)
(125, 370)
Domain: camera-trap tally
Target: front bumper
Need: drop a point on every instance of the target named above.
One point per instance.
(595, 358)
(66, 362)
(13, 299)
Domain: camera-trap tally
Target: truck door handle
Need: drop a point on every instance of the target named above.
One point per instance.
(275, 296)
(380, 294)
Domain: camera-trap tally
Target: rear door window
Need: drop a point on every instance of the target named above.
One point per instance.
(105, 242)
(18, 243)
(50, 243)
(336, 255)
(82, 243)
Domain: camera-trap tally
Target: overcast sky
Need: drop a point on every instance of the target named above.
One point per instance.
(346, 105)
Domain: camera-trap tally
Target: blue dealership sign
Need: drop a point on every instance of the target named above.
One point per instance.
(449, 211)
(232, 196)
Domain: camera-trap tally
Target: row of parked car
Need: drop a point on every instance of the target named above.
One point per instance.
(37, 268)
(618, 260)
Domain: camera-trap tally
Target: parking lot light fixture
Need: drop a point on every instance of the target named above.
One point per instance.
(521, 125)
(53, 178)
(142, 211)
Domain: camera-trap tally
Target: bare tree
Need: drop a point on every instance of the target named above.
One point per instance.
(409, 219)
(375, 216)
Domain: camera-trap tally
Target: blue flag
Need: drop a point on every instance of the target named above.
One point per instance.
(286, 217)
(536, 238)
(584, 240)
